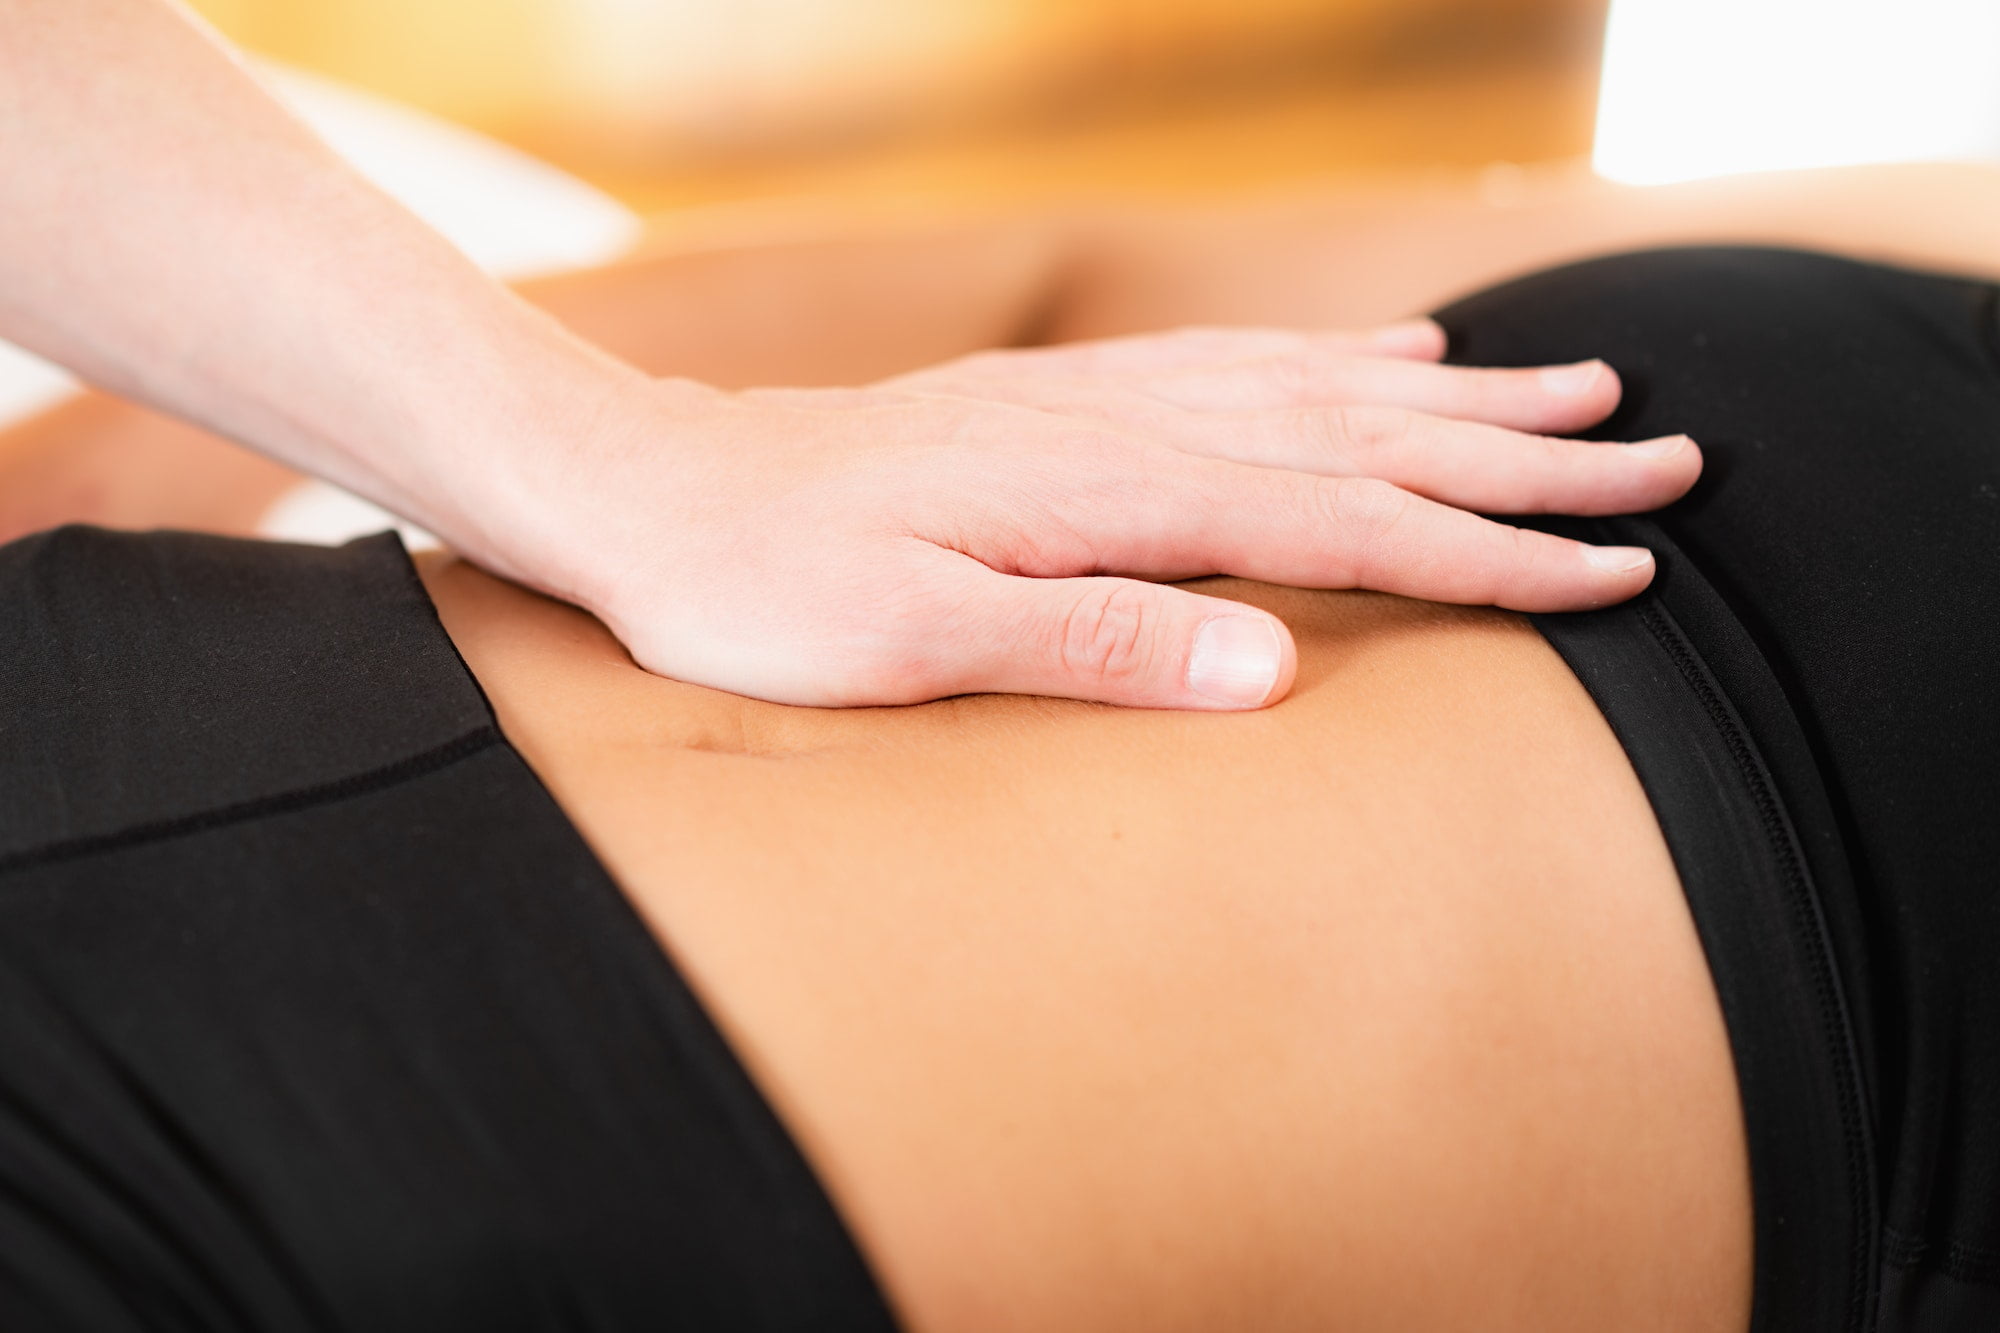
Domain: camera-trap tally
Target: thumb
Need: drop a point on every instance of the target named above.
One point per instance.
(1123, 641)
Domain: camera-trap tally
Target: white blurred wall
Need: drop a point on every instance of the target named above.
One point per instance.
(1695, 88)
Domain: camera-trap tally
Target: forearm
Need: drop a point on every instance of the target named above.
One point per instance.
(170, 234)
(855, 301)
(840, 305)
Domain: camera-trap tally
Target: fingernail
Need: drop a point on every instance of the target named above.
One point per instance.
(1618, 559)
(1665, 447)
(1572, 381)
(1235, 660)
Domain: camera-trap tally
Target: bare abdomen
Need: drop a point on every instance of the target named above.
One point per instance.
(1380, 1009)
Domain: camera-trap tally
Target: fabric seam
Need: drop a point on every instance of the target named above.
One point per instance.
(299, 798)
(1798, 888)
(761, 1131)
(1957, 1259)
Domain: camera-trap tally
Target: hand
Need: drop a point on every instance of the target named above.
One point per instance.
(984, 526)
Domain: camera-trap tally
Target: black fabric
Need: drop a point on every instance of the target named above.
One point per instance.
(315, 1011)
(1811, 694)
(110, 727)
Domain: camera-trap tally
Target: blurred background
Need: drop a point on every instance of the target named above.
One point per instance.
(675, 102)
(548, 135)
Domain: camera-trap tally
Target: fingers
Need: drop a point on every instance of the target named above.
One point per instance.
(1343, 532)
(1550, 399)
(1469, 464)
(1183, 349)
(1362, 532)
(1255, 370)
(1123, 642)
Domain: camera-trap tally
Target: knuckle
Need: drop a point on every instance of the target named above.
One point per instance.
(1366, 508)
(1108, 635)
(1366, 513)
(1334, 433)
(1478, 392)
(1380, 434)
(1292, 375)
(1522, 553)
(1557, 455)
(1528, 564)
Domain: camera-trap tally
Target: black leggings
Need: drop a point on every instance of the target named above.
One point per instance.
(316, 1014)
(1811, 694)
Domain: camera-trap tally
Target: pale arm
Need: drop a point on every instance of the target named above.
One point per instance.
(171, 235)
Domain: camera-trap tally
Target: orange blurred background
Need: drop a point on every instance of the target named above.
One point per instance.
(674, 102)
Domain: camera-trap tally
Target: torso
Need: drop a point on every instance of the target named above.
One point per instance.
(1380, 1008)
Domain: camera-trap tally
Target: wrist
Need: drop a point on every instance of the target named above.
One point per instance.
(530, 481)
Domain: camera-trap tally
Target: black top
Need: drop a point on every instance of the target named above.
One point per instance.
(1811, 694)
(315, 1011)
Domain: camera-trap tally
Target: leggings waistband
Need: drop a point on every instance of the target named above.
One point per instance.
(1734, 827)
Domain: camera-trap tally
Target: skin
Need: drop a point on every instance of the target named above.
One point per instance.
(1358, 254)
(274, 297)
(1315, 1103)
(851, 303)
(1378, 1009)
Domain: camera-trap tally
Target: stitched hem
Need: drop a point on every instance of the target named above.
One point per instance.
(301, 798)
(1804, 906)
(1754, 898)
(1958, 1259)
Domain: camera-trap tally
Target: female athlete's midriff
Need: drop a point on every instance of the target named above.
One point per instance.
(1378, 1009)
